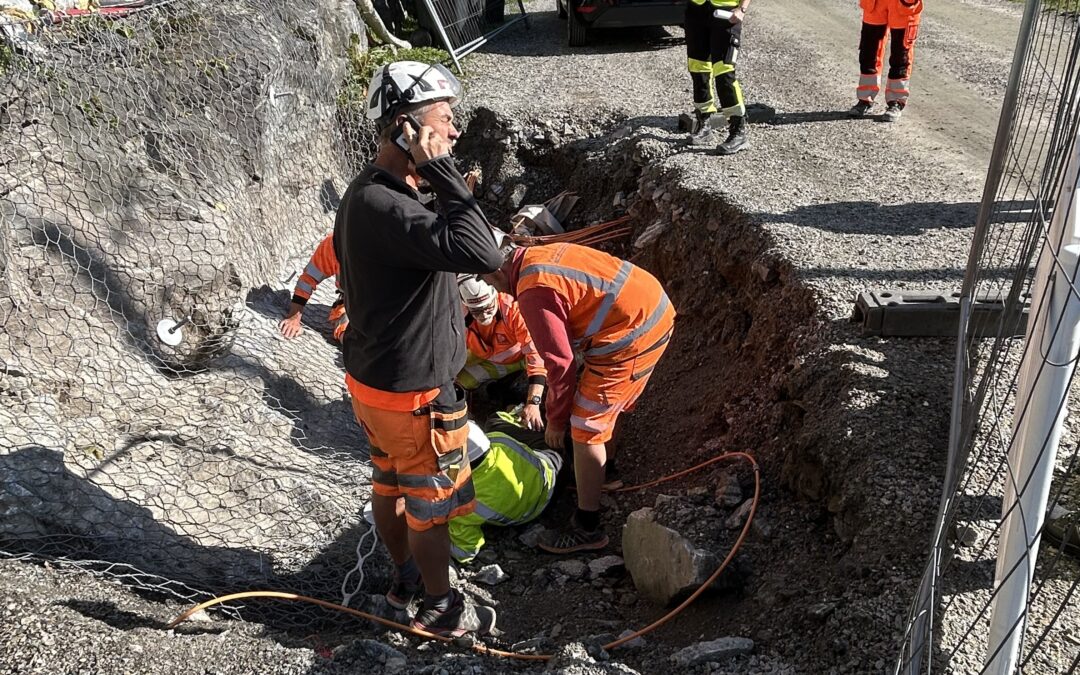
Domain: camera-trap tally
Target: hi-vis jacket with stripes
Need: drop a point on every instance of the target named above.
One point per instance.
(513, 484)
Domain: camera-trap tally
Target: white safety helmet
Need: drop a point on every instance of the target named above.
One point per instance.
(479, 297)
(478, 442)
(404, 83)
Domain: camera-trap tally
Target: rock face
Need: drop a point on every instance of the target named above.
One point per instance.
(664, 565)
(168, 166)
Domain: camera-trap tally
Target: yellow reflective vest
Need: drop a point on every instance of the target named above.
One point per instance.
(513, 484)
(723, 4)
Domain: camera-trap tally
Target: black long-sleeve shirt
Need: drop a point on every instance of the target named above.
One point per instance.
(398, 273)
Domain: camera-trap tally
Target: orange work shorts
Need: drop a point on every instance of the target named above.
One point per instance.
(896, 14)
(420, 455)
(605, 391)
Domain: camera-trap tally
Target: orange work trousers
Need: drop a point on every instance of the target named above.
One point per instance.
(606, 391)
(898, 20)
(420, 455)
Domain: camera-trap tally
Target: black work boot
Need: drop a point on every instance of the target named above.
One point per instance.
(860, 109)
(738, 137)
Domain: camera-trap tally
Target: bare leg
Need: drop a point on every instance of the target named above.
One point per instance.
(389, 515)
(589, 463)
(431, 550)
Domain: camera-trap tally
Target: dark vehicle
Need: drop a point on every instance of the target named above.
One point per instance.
(584, 15)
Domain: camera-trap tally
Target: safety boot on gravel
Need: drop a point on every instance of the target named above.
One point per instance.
(571, 539)
(703, 131)
(738, 138)
(402, 592)
(460, 617)
(892, 112)
(860, 109)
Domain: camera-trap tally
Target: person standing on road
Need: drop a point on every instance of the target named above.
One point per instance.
(713, 34)
(899, 21)
(405, 341)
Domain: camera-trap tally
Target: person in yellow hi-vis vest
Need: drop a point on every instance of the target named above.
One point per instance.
(513, 474)
(713, 36)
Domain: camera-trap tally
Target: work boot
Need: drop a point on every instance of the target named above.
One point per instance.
(460, 617)
(892, 112)
(402, 592)
(860, 109)
(738, 138)
(703, 132)
(571, 539)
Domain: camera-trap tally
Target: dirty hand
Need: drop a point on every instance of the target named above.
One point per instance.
(425, 144)
(290, 326)
(555, 438)
(530, 417)
(737, 15)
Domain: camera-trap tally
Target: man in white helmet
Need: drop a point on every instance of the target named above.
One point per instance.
(405, 341)
(499, 345)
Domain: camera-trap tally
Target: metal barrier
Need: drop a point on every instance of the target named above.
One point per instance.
(464, 26)
(990, 600)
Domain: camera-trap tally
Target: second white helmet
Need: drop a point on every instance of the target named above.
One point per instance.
(479, 297)
(404, 83)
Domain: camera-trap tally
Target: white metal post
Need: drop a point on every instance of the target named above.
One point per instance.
(1041, 405)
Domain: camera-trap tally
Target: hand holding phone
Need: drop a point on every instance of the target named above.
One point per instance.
(406, 134)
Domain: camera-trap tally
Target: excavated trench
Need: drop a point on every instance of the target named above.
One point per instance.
(734, 378)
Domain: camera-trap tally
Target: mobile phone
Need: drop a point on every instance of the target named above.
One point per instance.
(399, 133)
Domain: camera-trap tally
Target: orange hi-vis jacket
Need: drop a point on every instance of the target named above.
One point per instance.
(505, 340)
(616, 309)
(323, 264)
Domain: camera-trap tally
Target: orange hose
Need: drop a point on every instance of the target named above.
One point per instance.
(484, 649)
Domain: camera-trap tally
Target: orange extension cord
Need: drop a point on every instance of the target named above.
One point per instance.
(484, 649)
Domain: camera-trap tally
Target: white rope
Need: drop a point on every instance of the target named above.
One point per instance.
(361, 558)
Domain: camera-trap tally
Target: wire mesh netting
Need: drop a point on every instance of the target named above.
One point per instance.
(177, 162)
(950, 627)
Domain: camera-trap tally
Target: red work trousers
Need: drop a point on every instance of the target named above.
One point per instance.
(899, 21)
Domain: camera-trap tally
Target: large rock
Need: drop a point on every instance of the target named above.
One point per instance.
(713, 650)
(664, 565)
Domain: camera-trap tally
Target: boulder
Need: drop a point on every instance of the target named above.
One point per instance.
(664, 565)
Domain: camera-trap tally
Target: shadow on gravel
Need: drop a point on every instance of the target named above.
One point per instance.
(910, 219)
(780, 119)
(546, 36)
(107, 612)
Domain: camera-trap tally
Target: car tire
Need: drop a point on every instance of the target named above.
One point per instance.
(562, 9)
(577, 31)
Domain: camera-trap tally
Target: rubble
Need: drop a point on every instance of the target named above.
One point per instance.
(491, 575)
(609, 565)
(713, 650)
(575, 569)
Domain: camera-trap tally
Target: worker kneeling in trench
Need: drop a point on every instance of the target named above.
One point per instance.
(500, 350)
(513, 474)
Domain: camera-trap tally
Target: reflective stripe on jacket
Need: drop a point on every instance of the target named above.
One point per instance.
(323, 264)
(513, 484)
(505, 340)
(615, 309)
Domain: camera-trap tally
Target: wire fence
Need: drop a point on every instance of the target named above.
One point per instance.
(999, 591)
(167, 162)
